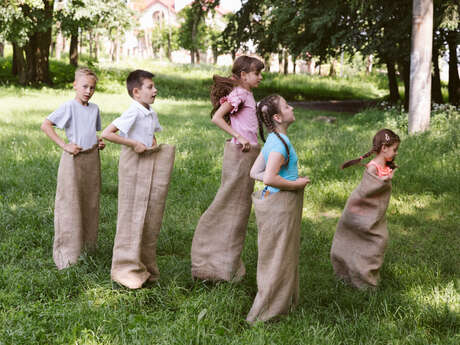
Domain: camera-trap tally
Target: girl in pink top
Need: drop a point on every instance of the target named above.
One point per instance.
(219, 236)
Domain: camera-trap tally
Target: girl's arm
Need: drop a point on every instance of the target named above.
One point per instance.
(110, 134)
(47, 127)
(218, 119)
(258, 169)
(273, 179)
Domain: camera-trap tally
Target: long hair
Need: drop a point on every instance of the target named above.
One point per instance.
(266, 108)
(222, 86)
(383, 137)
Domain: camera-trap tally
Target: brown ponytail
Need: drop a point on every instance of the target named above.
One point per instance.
(383, 137)
(222, 86)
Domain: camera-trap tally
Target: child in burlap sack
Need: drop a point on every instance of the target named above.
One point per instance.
(76, 212)
(361, 237)
(278, 209)
(219, 236)
(144, 174)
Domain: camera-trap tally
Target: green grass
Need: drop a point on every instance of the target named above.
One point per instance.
(418, 301)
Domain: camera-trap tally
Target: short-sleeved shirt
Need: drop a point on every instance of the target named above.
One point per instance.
(138, 123)
(243, 118)
(80, 122)
(274, 144)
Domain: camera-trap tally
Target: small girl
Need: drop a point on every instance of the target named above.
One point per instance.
(278, 211)
(361, 237)
(219, 237)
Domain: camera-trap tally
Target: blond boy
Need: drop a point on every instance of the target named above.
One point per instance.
(76, 213)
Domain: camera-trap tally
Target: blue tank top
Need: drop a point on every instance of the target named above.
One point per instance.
(274, 144)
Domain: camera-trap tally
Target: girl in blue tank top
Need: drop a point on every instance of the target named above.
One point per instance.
(276, 165)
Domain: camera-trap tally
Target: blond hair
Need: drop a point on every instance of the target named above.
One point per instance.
(84, 71)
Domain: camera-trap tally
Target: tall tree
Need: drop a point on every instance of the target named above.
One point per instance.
(192, 32)
(27, 25)
(420, 76)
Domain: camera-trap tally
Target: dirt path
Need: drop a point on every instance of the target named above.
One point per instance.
(346, 106)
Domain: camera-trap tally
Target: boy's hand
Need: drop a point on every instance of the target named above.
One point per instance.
(139, 148)
(72, 148)
(100, 144)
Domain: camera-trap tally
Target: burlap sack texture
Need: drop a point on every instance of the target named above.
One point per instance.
(219, 236)
(279, 220)
(361, 237)
(142, 189)
(76, 211)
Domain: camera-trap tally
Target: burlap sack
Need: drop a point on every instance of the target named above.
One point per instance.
(219, 237)
(361, 237)
(76, 211)
(142, 190)
(279, 220)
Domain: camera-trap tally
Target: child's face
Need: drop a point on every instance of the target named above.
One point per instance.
(390, 152)
(84, 88)
(251, 79)
(286, 112)
(147, 93)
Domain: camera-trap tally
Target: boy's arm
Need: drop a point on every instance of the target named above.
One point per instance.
(258, 169)
(218, 119)
(47, 127)
(273, 179)
(110, 134)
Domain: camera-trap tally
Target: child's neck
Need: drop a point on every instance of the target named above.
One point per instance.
(380, 160)
(81, 102)
(145, 105)
(282, 129)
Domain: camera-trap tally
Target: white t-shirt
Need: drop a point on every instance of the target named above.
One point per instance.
(80, 122)
(138, 123)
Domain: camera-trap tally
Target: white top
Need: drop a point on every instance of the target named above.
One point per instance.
(79, 121)
(138, 123)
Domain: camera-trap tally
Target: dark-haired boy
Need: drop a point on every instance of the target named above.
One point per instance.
(144, 173)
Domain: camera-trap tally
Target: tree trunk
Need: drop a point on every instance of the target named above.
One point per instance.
(59, 43)
(2, 48)
(420, 67)
(267, 61)
(19, 64)
(96, 47)
(454, 81)
(192, 56)
(294, 60)
(90, 44)
(73, 50)
(436, 93)
(404, 71)
(280, 61)
(198, 60)
(332, 68)
(37, 57)
(369, 64)
(392, 81)
(233, 54)
(286, 61)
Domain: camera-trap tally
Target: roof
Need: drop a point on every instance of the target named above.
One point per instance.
(142, 5)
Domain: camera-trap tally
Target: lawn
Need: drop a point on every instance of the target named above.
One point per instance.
(418, 301)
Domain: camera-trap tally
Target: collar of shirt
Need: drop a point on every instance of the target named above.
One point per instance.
(144, 110)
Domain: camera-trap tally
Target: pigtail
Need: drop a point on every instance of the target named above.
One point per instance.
(259, 114)
(383, 137)
(357, 160)
(220, 88)
(265, 111)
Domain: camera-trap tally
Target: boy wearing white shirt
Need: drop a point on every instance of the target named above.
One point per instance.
(76, 212)
(144, 173)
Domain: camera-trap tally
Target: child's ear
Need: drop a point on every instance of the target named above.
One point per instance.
(277, 118)
(74, 84)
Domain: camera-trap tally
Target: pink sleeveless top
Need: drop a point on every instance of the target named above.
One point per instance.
(381, 171)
